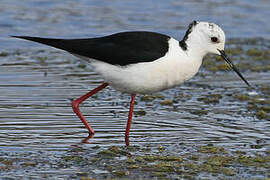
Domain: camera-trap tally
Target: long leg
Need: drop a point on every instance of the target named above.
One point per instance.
(77, 102)
(129, 119)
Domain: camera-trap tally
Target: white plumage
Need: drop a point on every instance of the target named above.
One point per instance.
(147, 77)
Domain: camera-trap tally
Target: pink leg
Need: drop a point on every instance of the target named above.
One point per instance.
(77, 102)
(129, 119)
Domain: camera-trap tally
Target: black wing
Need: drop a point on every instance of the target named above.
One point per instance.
(118, 49)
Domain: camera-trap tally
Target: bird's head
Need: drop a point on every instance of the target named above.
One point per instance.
(212, 36)
(209, 37)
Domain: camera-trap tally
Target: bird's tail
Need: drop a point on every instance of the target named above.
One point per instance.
(57, 43)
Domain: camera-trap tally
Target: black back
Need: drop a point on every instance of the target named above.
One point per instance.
(118, 49)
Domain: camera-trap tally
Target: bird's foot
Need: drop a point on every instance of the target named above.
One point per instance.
(87, 139)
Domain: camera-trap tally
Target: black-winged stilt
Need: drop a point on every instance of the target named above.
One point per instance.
(140, 62)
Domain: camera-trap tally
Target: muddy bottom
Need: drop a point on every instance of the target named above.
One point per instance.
(213, 126)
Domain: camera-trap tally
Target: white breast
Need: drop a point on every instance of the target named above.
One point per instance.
(166, 72)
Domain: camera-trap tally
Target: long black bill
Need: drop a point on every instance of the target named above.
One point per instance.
(225, 57)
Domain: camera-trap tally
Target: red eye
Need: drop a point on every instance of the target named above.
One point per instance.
(214, 39)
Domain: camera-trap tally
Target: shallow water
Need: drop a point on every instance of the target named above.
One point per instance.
(36, 108)
(38, 83)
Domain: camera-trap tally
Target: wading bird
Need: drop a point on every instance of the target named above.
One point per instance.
(141, 62)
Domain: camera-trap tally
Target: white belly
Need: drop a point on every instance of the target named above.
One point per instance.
(148, 77)
(144, 80)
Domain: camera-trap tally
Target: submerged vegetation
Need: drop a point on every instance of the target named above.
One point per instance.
(250, 55)
(137, 162)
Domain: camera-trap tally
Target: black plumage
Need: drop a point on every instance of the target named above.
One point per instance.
(117, 49)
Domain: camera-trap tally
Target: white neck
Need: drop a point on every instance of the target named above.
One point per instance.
(195, 46)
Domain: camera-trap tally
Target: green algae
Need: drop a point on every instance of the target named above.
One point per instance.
(161, 148)
(3, 54)
(261, 114)
(242, 97)
(107, 153)
(259, 68)
(152, 158)
(139, 159)
(251, 59)
(210, 99)
(73, 158)
(258, 53)
(120, 173)
(167, 102)
(258, 104)
(7, 162)
(159, 96)
(164, 167)
(238, 50)
(216, 162)
(147, 98)
(140, 112)
(42, 59)
(30, 163)
(251, 161)
(265, 89)
(82, 66)
(135, 163)
(219, 67)
(212, 149)
(159, 174)
(244, 41)
(133, 166)
(200, 112)
(112, 152)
